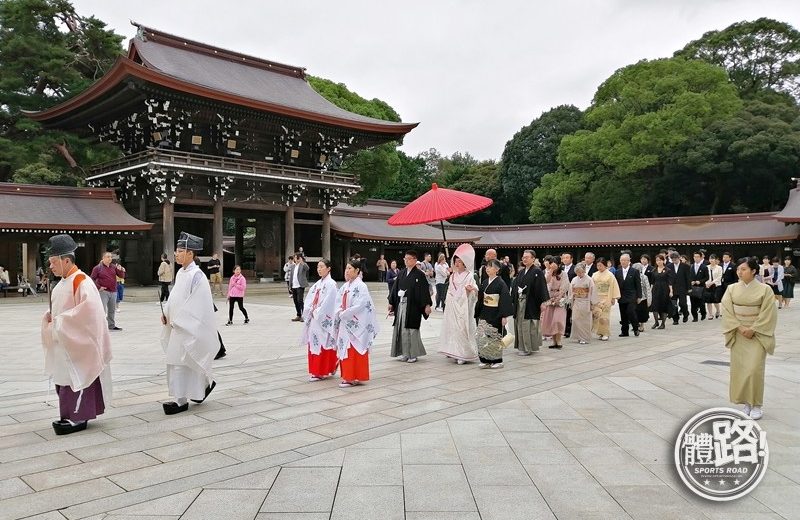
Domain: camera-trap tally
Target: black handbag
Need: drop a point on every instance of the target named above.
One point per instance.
(697, 292)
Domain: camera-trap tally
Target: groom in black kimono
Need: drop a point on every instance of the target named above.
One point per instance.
(410, 301)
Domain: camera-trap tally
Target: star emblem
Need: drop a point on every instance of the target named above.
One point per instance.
(706, 482)
(721, 482)
(736, 482)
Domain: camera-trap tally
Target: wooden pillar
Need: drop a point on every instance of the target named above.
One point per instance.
(326, 235)
(238, 248)
(347, 253)
(216, 246)
(168, 229)
(261, 246)
(289, 231)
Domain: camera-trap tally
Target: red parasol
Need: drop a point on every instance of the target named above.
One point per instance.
(439, 204)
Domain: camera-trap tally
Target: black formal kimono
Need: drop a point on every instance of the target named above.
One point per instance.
(528, 292)
(409, 310)
(494, 304)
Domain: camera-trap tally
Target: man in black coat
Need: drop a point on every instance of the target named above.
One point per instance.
(589, 262)
(630, 290)
(680, 289)
(648, 267)
(410, 297)
(529, 289)
(504, 273)
(698, 276)
(729, 276)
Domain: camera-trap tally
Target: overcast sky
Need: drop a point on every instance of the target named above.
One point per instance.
(472, 73)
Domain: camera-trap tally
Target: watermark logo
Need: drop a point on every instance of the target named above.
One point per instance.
(721, 454)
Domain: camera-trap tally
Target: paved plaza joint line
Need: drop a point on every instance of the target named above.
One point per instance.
(586, 432)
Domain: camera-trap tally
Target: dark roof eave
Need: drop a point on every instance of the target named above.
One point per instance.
(125, 67)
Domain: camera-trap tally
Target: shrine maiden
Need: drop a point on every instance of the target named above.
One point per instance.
(318, 315)
(355, 326)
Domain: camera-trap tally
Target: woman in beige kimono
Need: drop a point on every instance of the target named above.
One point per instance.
(607, 293)
(748, 322)
(582, 296)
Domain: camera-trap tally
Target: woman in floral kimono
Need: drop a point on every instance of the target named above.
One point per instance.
(607, 293)
(554, 311)
(318, 313)
(582, 296)
(492, 311)
(355, 326)
(748, 323)
(457, 338)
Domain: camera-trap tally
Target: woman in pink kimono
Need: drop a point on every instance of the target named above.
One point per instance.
(554, 311)
(582, 296)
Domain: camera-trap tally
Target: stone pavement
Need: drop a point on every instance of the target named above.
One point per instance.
(585, 433)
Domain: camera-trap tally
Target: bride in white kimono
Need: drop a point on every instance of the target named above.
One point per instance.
(457, 338)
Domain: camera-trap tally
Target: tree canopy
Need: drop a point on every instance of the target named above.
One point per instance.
(48, 53)
(529, 155)
(638, 117)
(759, 56)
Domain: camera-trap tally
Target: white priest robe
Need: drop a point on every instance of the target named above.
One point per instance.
(190, 337)
(77, 345)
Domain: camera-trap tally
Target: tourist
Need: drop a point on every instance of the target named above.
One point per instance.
(748, 324)
(605, 283)
(610, 266)
(630, 291)
(355, 326)
(287, 275)
(214, 267)
(190, 338)
(777, 280)
(430, 273)
(382, 265)
(76, 343)
(511, 271)
(410, 301)
(492, 310)
(789, 276)
(680, 287)
(4, 279)
(661, 292)
(298, 278)
(164, 277)
(105, 275)
(554, 312)
(582, 296)
(120, 282)
(318, 334)
(528, 293)
(643, 307)
(391, 274)
(457, 338)
(237, 286)
(711, 294)
(441, 271)
(764, 270)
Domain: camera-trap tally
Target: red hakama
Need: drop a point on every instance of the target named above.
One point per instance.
(322, 364)
(356, 366)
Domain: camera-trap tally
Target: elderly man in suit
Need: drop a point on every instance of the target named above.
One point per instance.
(298, 278)
(630, 290)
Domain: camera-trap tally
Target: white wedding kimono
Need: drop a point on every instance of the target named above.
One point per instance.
(190, 336)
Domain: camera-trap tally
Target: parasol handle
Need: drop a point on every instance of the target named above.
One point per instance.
(444, 241)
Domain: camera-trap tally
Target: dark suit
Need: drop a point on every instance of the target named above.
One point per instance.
(729, 277)
(648, 272)
(302, 280)
(591, 269)
(630, 290)
(698, 278)
(568, 329)
(680, 289)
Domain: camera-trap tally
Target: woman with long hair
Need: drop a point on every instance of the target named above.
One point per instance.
(237, 286)
(318, 335)
(663, 280)
(457, 339)
(355, 326)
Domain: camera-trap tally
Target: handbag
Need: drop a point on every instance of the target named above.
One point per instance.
(697, 292)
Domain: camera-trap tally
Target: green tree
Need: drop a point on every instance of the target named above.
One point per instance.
(482, 178)
(741, 164)
(638, 117)
(759, 55)
(413, 180)
(376, 168)
(529, 155)
(48, 53)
